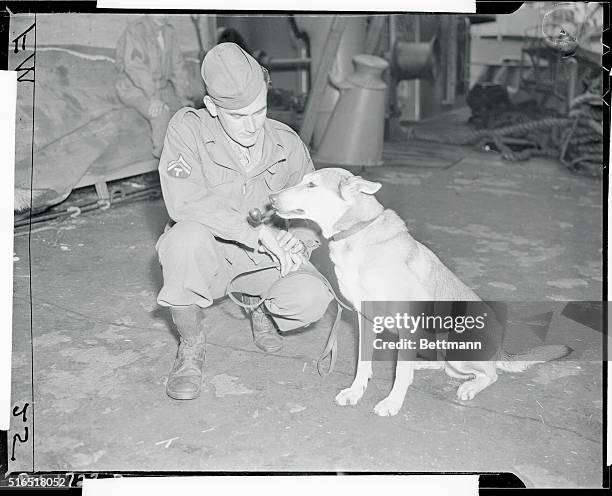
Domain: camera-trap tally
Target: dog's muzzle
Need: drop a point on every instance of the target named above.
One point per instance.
(274, 202)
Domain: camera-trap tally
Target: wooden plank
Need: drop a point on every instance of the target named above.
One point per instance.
(443, 31)
(102, 190)
(377, 26)
(328, 56)
(421, 154)
(137, 168)
(451, 64)
(415, 154)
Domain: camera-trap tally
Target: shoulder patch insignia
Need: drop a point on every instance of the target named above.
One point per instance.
(179, 168)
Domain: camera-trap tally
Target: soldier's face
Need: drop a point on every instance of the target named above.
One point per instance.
(244, 125)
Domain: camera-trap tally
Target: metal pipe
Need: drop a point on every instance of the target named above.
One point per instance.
(305, 73)
(88, 206)
(288, 64)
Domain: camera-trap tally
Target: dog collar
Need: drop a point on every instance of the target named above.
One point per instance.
(354, 229)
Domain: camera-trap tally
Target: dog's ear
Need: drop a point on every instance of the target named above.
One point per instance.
(352, 185)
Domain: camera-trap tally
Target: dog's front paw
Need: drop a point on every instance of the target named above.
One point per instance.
(350, 396)
(387, 407)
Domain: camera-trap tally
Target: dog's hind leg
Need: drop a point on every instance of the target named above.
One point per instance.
(352, 394)
(484, 375)
(428, 365)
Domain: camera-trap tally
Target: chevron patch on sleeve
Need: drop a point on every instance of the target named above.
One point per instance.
(179, 167)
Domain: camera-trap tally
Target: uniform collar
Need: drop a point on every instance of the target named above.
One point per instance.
(152, 29)
(214, 137)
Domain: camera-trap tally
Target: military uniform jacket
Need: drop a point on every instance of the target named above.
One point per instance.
(144, 64)
(202, 179)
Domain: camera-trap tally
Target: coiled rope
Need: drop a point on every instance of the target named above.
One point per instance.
(576, 140)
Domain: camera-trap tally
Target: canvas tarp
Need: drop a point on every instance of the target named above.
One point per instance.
(80, 126)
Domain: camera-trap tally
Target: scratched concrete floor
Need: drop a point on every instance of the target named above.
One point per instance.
(102, 349)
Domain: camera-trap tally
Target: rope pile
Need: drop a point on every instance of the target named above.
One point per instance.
(582, 143)
(576, 140)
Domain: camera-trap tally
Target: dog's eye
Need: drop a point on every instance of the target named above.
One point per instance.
(311, 185)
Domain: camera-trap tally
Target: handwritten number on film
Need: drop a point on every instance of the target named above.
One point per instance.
(25, 67)
(17, 437)
(26, 73)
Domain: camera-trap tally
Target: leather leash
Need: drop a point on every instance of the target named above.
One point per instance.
(331, 346)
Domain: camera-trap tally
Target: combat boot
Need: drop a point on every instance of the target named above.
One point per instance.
(265, 336)
(185, 378)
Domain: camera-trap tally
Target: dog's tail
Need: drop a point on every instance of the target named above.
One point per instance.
(518, 363)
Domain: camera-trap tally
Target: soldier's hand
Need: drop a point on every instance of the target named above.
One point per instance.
(294, 247)
(269, 241)
(156, 107)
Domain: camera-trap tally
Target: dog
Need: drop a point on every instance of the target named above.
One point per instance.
(376, 259)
